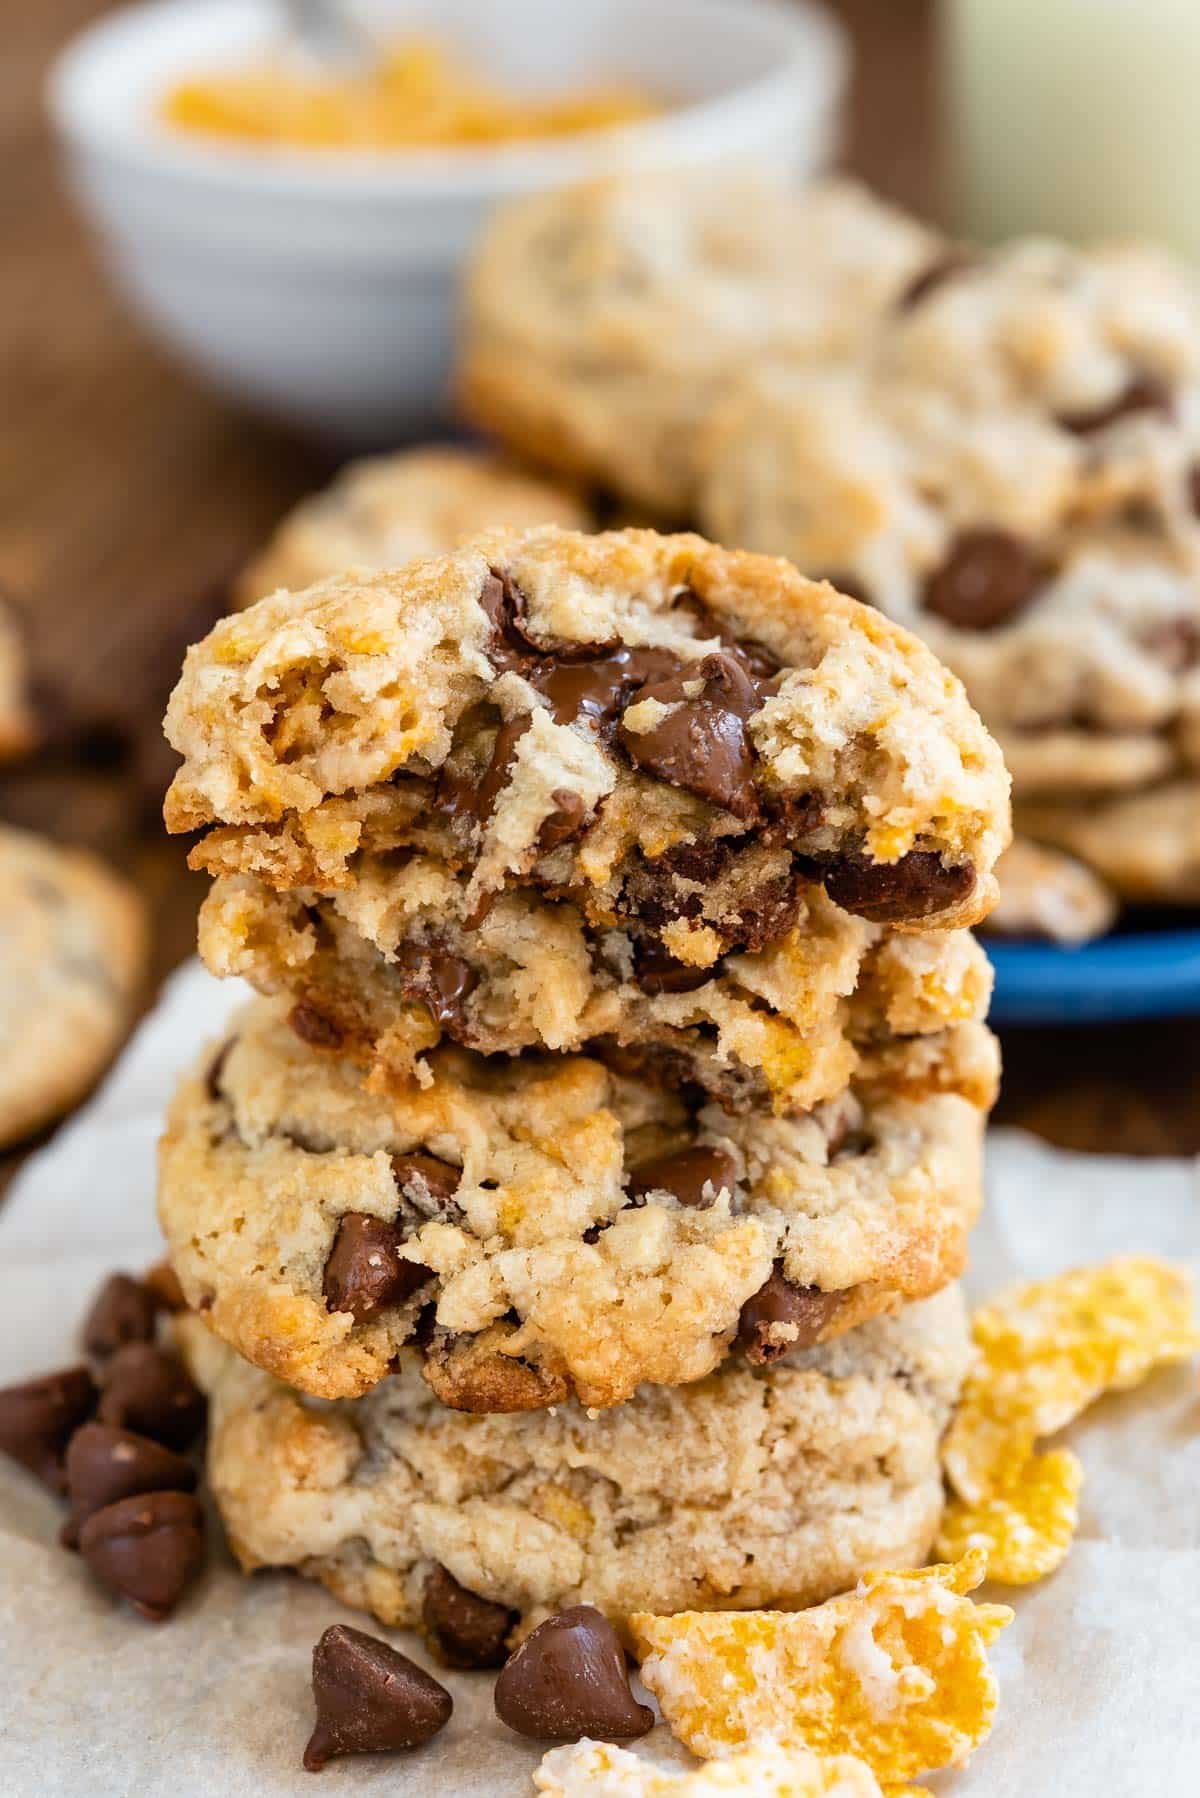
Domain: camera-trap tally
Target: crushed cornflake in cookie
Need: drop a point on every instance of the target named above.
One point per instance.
(895, 1672)
(1047, 1350)
(1026, 1530)
(596, 1770)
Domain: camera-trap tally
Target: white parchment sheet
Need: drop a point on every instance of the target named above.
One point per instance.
(1100, 1675)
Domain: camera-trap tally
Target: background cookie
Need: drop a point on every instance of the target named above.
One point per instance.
(1045, 893)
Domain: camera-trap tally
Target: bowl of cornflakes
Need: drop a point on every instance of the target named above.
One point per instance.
(295, 230)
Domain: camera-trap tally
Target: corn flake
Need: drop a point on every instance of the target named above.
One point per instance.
(1026, 1530)
(895, 1672)
(597, 1770)
(1047, 1350)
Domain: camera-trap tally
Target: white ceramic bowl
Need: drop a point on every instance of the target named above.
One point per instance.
(320, 286)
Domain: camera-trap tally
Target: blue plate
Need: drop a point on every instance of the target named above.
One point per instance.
(1133, 974)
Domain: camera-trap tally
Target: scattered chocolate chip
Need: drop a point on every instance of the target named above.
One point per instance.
(1144, 392)
(371, 1699)
(987, 580)
(38, 1418)
(146, 1549)
(149, 1391)
(365, 1272)
(782, 1316)
(701, 744)
(568, 1679)
(125, 1310)
(163, 1282)
(563, 823)
(468, 1631)
(958, 260)
(313, 1028)
(427, 1183)
(919, 885)
(657, 971)
(431, 972)
(105, 1464)
(688, 1175)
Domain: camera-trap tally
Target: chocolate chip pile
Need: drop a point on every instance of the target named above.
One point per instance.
(110, 1436)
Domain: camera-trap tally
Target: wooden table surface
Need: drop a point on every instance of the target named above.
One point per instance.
(128, 494)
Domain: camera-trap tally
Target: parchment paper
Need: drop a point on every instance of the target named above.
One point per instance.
(1100, 1675)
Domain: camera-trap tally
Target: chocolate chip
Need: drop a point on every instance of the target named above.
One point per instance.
(125, 1310)
(598, 691)
(987, 580)
(427, 1183)
(468, 1631)
(687, 1175)
(782, 1316)
(701, 745)
(919, 885)
(656, 970)
(760, 663)
(105, 1464)
(371, 1699)
(957, 260)
(147, 1390)
(429, 971)
(313, 1028)
(563, 823)
(1144, 392)
(146, 1549)
(568, 1679)
(39, 1417)
(365, 1272)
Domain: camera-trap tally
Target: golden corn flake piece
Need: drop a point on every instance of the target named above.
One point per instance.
(1047, 1350)
(1024, 1531)
(597, 1770)
(895, 1672)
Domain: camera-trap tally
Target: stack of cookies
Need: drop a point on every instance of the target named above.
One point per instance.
(606, 1136)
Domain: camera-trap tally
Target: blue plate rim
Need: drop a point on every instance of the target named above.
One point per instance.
(1138, 975)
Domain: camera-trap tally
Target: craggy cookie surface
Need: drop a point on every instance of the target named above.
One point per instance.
(72, 955)
(387, 510)
(384, 968)
(542, 1226)
(601, 322)
(672, 736)
(757, 1486)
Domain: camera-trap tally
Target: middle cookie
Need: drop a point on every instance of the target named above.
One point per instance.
(544, 1227)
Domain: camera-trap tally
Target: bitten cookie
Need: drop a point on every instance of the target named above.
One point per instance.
(73, 943)
(758, 1486)
(387, 510)
(542, 1226)
(676, 738)
(600, 323)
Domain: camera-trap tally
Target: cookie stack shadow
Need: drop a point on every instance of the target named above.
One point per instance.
(575, 1215)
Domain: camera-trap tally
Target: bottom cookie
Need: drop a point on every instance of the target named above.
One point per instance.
(754, 1487)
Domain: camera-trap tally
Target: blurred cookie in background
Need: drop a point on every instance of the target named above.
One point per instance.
(601, 322)
(1044, 893)
(73, 950)
(387, 510)
(1146, 845)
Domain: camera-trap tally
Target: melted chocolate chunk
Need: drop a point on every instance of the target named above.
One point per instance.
(701, 745)
(426, 1183)
(365, 1272)
(956, 261)
(466, 1630)
(695, 1176)
(370, 1698)
(598, 691)
(988, 579)
(781, 1317)
(1144, 392)
(149, 1391)
(146, 1549)
(105, 1464)
(919, 885)
(657, 971)
(39, 1417)
(124, 1310)
(443, 981)
(313, 1028)
(568, 1679)
(564, 822)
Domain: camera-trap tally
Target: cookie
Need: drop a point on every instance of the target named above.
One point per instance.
(73, 945)
(1146, 845)
(757, 1486)
(601, 322)
(383, 969)
(1044, 893)
(663, 732)
(387, 510)
(543, 1226)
